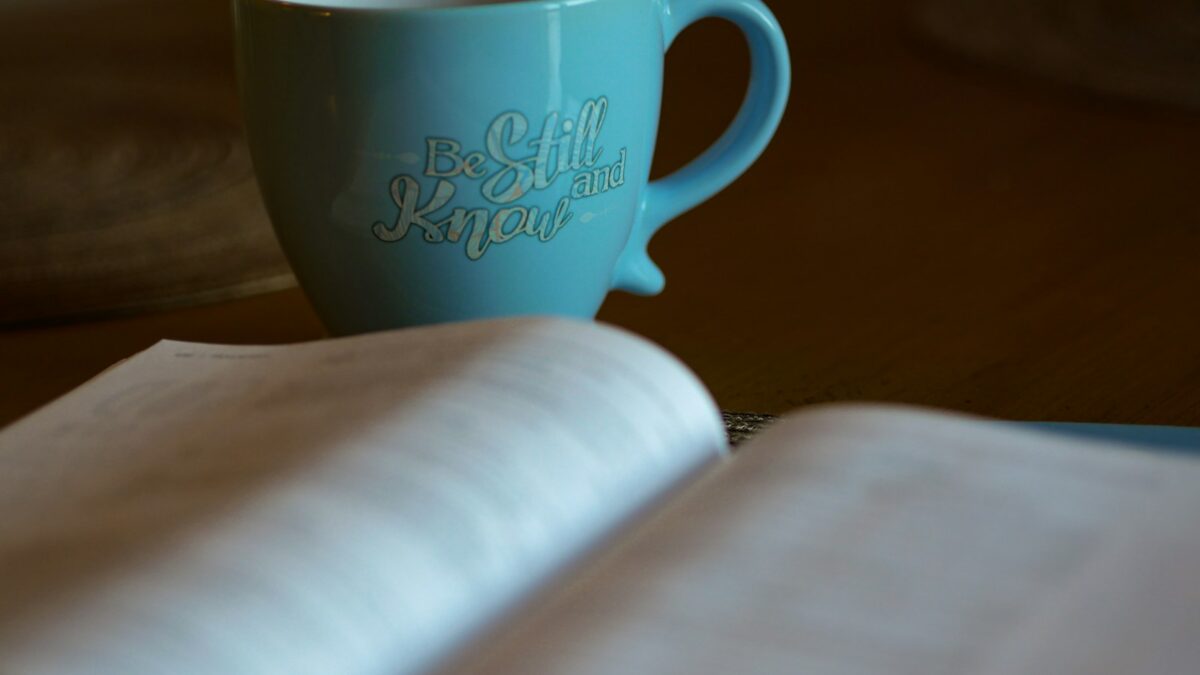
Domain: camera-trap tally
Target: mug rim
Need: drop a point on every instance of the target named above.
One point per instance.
(328, 8)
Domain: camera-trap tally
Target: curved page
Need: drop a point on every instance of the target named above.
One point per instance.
(361, 505)
(872, 540)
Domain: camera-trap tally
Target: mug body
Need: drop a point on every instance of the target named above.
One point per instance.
(431, 165)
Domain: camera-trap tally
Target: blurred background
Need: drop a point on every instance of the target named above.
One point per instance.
(982, 205)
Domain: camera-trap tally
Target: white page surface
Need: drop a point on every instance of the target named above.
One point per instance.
(860, 541)
(349, 506)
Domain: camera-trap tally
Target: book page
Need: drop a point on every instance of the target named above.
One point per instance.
(361, 505)
(861, 541)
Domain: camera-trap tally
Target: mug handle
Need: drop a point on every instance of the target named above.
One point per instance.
(736, 149)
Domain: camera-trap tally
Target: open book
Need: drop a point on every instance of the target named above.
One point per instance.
(540, 496)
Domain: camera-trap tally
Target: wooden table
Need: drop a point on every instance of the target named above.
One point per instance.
(923, 230)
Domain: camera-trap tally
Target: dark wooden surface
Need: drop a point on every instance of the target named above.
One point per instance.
(923, 230)
(125, 181)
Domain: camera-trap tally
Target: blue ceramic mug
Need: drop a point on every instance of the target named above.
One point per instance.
(438, 160)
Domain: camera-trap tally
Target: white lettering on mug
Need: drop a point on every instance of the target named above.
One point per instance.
(507, 174)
